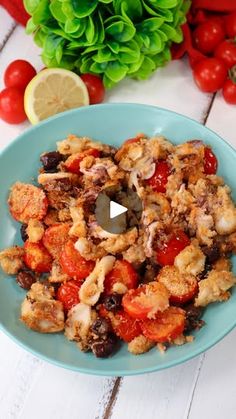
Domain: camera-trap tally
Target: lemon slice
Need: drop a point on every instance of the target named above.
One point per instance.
(52, 91)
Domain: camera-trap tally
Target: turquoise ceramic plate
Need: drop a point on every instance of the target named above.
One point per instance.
(111, 124)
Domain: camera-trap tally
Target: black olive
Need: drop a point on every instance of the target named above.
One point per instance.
(101, 326)
(25, 279)
(204, 273)
(104, 348)
(23, 233)
(212, 253)
(193, 315)
(113, 302)
(51, 160)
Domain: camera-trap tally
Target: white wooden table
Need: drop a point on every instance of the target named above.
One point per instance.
(204, 387)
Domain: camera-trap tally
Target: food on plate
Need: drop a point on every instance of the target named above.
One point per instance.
(52, 91)
(147, 286)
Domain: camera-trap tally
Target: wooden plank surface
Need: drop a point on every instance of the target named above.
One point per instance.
(29, 385)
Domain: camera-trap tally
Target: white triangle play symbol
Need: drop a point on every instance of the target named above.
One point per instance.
(116, 209)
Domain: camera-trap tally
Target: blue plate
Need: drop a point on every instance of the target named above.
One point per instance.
(111, 124)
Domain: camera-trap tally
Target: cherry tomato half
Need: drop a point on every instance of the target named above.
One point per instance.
(55, 238)
(208, 35)
(210, 74)
(125, 327)
(177, 242)
(229, 92)
(122, 273)
(12, 105)
(146, 300)
(182, 288)
(68, 294)
(159, 180)
(37, 257)
(18, 74)
(226, 51)
(73, 264)
(230, 25)
(210, 162)
(166, 326)
(73, 162)
(95, 88)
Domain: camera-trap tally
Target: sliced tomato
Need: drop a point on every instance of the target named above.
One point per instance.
(122, 273)
(159, 180)
(73, 264)
(37, 257)
(182, 287)
(72, 164)
(68, 293)
(169, 250)
(210, 162)
(55, 238)
(145, 301)
(27, 201)
(166, 326)
(134, 139)
(125, 326)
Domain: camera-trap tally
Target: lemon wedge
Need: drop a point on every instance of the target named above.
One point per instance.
(52, 91)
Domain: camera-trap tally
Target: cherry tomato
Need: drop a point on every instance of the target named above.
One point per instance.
(208, 35)
(210, 162)
(73, 264)
(166, 326)
(169, 250)
(210, 74)
(95, 88)
(55, 238)
(26, 201)
(229, 92)
(230, 25)
(37, 257)
(18, 74)
(159, 180)
(146, 300)
(125, 326)
(73, 162)
(134, 140)
(226, 51)
(122, 273)
(68, 294)
(182, 288)
(12, 105)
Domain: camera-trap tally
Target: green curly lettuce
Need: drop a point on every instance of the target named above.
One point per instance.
(112, 38)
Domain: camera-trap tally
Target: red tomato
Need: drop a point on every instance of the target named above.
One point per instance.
(12, 105)
(159, 180)
(125, 327)
(55, 238)
(210, 162)
(73, 162)
(73, 264)
(229, 92)
(182, 288)
(122, 272)
(68, 294)
(18, 74)
(226, 51)
(230, 25)
(26, 201)
(208, 35)
(146, 300)
(169, 250)
(210, 74)
(37, 257)
(95, 88)
(134, 140)
(166, 326)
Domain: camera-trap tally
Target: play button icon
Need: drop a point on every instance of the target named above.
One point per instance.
(118, 209)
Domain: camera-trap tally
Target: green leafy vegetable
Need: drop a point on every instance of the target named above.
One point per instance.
(112, 38)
